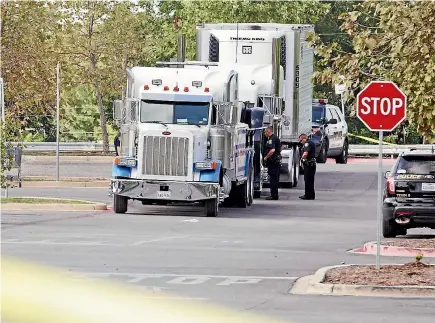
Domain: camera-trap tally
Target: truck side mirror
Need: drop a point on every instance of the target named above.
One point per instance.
(117, 110)
(333, 121)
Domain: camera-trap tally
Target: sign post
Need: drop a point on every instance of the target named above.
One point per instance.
(381, 106)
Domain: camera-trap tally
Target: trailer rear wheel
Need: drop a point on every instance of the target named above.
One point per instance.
(297, 168)
(211, 207)
(120, 203)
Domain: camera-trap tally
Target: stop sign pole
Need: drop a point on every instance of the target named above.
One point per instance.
(381, 106)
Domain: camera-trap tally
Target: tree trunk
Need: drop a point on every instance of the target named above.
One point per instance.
(103, 121)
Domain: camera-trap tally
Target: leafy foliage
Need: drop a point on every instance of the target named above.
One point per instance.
(10, 133)
(391, 41)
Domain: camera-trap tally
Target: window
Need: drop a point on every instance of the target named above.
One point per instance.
(318, 113)
(421, 165)
(328, 114)
(335, 115)
(174, 112)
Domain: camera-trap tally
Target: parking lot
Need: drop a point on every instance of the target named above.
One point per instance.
(245, 259)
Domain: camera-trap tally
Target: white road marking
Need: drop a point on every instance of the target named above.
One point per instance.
(144, 276)
(190, 220)
(188, 280)
(138, 243)
(68, 243)
(231, 281)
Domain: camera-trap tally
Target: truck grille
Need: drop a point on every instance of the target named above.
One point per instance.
(166, 156)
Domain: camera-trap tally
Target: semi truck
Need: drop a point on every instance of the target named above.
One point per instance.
(191, 131)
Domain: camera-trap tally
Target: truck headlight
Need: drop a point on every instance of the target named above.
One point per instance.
(125, 161)
(205, 165)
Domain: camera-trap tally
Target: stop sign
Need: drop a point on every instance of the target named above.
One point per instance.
(381, 106)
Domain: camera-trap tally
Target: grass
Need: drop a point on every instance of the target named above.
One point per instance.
(32, 200)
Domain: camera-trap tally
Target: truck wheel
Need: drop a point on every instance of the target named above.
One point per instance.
(342, 158)
(211, 207)
(242, 198)
(297, 168)
(389, 229)
(323, 154)
(120, 203)
(251, 186)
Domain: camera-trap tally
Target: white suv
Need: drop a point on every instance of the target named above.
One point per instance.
(334, 140)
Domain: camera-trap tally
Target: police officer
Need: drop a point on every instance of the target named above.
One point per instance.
(309, 163)
(272, 161)
(117, 143)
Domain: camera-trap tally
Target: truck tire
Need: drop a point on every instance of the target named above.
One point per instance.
(120, 204)
(389, 229)
(297, 169)
(242, 195)
(342, 158)
(323, 154)
(251, 186)
(211, 207)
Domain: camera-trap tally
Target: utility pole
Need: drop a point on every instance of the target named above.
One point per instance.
(57, 119)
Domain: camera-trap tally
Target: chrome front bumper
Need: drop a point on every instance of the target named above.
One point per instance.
(164, 190)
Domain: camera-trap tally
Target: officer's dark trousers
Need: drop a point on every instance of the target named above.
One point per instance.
(309, 174)
(273, 171)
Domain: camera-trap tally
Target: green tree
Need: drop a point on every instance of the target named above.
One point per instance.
(101, 39)
(10, 133)
(29, 34)
(391, 41)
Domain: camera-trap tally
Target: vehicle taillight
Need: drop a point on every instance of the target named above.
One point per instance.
(391, 185)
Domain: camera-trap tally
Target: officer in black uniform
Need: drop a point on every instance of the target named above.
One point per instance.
(272, 161)
(117, 143)
(309, 164)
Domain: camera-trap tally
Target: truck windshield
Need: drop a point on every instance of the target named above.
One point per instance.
(318, 113)
(195, 113)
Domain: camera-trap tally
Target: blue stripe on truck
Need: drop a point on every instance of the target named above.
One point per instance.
(211, 175)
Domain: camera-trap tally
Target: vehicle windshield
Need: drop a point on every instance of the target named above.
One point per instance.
(170, 112)
(421, 165)
(318, 113)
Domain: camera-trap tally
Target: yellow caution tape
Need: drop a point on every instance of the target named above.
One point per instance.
(34, 294)
(371, 140)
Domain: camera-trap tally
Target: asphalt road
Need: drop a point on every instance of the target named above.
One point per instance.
(246, 259)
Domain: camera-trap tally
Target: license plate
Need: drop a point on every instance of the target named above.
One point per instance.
(428, 187)
(164, 194)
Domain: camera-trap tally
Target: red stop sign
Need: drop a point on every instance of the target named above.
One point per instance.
(381, 106)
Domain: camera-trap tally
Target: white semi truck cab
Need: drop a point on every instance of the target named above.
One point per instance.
(182, 139)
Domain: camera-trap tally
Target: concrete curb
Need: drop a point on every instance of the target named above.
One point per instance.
(369, 248)
(95, 206)
(71, 184)
(69, 159)
(313, 285)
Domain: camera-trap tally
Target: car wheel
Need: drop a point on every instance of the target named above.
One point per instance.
(389, 229)
(323, 154)
(342, 158)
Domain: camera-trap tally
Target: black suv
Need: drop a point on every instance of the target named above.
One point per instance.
(409, 194)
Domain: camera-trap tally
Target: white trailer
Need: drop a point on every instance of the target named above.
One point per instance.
(275, 65)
